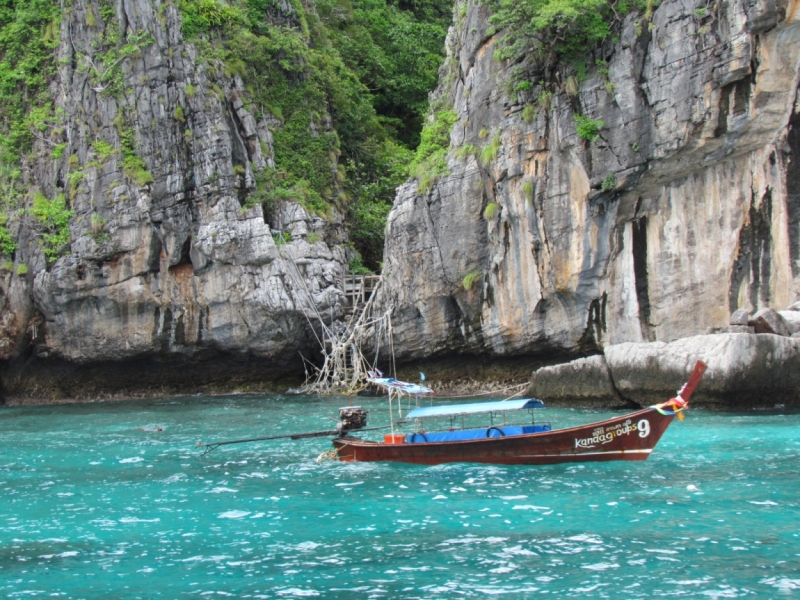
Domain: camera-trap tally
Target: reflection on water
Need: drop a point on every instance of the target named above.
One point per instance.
(94, 506)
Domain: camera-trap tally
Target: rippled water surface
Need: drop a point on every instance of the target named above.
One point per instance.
(94, 507)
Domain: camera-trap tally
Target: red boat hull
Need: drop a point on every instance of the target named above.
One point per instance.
(629, 437)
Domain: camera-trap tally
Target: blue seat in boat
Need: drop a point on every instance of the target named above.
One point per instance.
(461, 435)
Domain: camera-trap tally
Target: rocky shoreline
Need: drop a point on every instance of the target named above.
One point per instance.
(756, 368)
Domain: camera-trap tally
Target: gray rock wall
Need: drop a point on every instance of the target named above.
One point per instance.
(699, 214)
(165, 275)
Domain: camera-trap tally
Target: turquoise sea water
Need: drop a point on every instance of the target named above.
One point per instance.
(93, 507)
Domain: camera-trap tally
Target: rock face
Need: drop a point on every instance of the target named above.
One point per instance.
(744, 371)
(685, 209)
(171, 284)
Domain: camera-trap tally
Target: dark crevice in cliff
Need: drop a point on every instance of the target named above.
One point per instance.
(184, 253)
(592, 339)
(639, 252)
(752, 267)
(793, 193)
(734, 101)
(627, 402)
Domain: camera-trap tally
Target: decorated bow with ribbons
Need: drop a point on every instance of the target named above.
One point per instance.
(673, 406)
(676, 406)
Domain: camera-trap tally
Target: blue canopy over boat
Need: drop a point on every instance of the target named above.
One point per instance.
(455, 410)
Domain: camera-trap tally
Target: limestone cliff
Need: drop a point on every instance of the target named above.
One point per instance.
(171, 282)
(685, 208)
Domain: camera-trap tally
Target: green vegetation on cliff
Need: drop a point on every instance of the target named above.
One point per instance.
(28, 38)
(345, 84)
(544, 32)
(541, 38)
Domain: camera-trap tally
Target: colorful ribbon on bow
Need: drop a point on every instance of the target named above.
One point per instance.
(673, 406)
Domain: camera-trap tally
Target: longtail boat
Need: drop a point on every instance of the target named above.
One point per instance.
(632, 436)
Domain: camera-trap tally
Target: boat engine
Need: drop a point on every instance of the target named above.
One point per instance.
(352, 418)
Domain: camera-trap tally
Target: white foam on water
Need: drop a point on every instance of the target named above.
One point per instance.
(349, 484)
(137, 520)
(784, 584)
(660, 551)
(493, 591)
(501, 570)
(530, 507)
(518, 551)
(300, 593)
(583, 537)
(724, 593)
(765, 503)
(591, 588)
(307, 546)
(223, 490)
(105, 522)
(133, 459)
(233, 514)
(440, 497)
(68, 554)
(600, 566)
(201, 558)
(513, 497)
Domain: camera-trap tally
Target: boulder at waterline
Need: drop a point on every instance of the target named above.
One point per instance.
(744, 371)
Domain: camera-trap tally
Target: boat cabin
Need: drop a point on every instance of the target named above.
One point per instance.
(457, 414)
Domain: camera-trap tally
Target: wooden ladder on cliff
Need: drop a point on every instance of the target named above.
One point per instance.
(358, 289)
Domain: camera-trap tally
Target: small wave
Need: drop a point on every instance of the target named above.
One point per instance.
(494, 591)
(583, 537)
(133, 459)
(530, 507)
(502, 570)
(301, 593)
(765, 503)
(137, 520)
(600, 566)
(233, 514)
(784, 584)
(223, 490)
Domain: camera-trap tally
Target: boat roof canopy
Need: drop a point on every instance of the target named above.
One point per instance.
(455, 410)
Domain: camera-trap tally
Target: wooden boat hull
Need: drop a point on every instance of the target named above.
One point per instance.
(629, 437)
